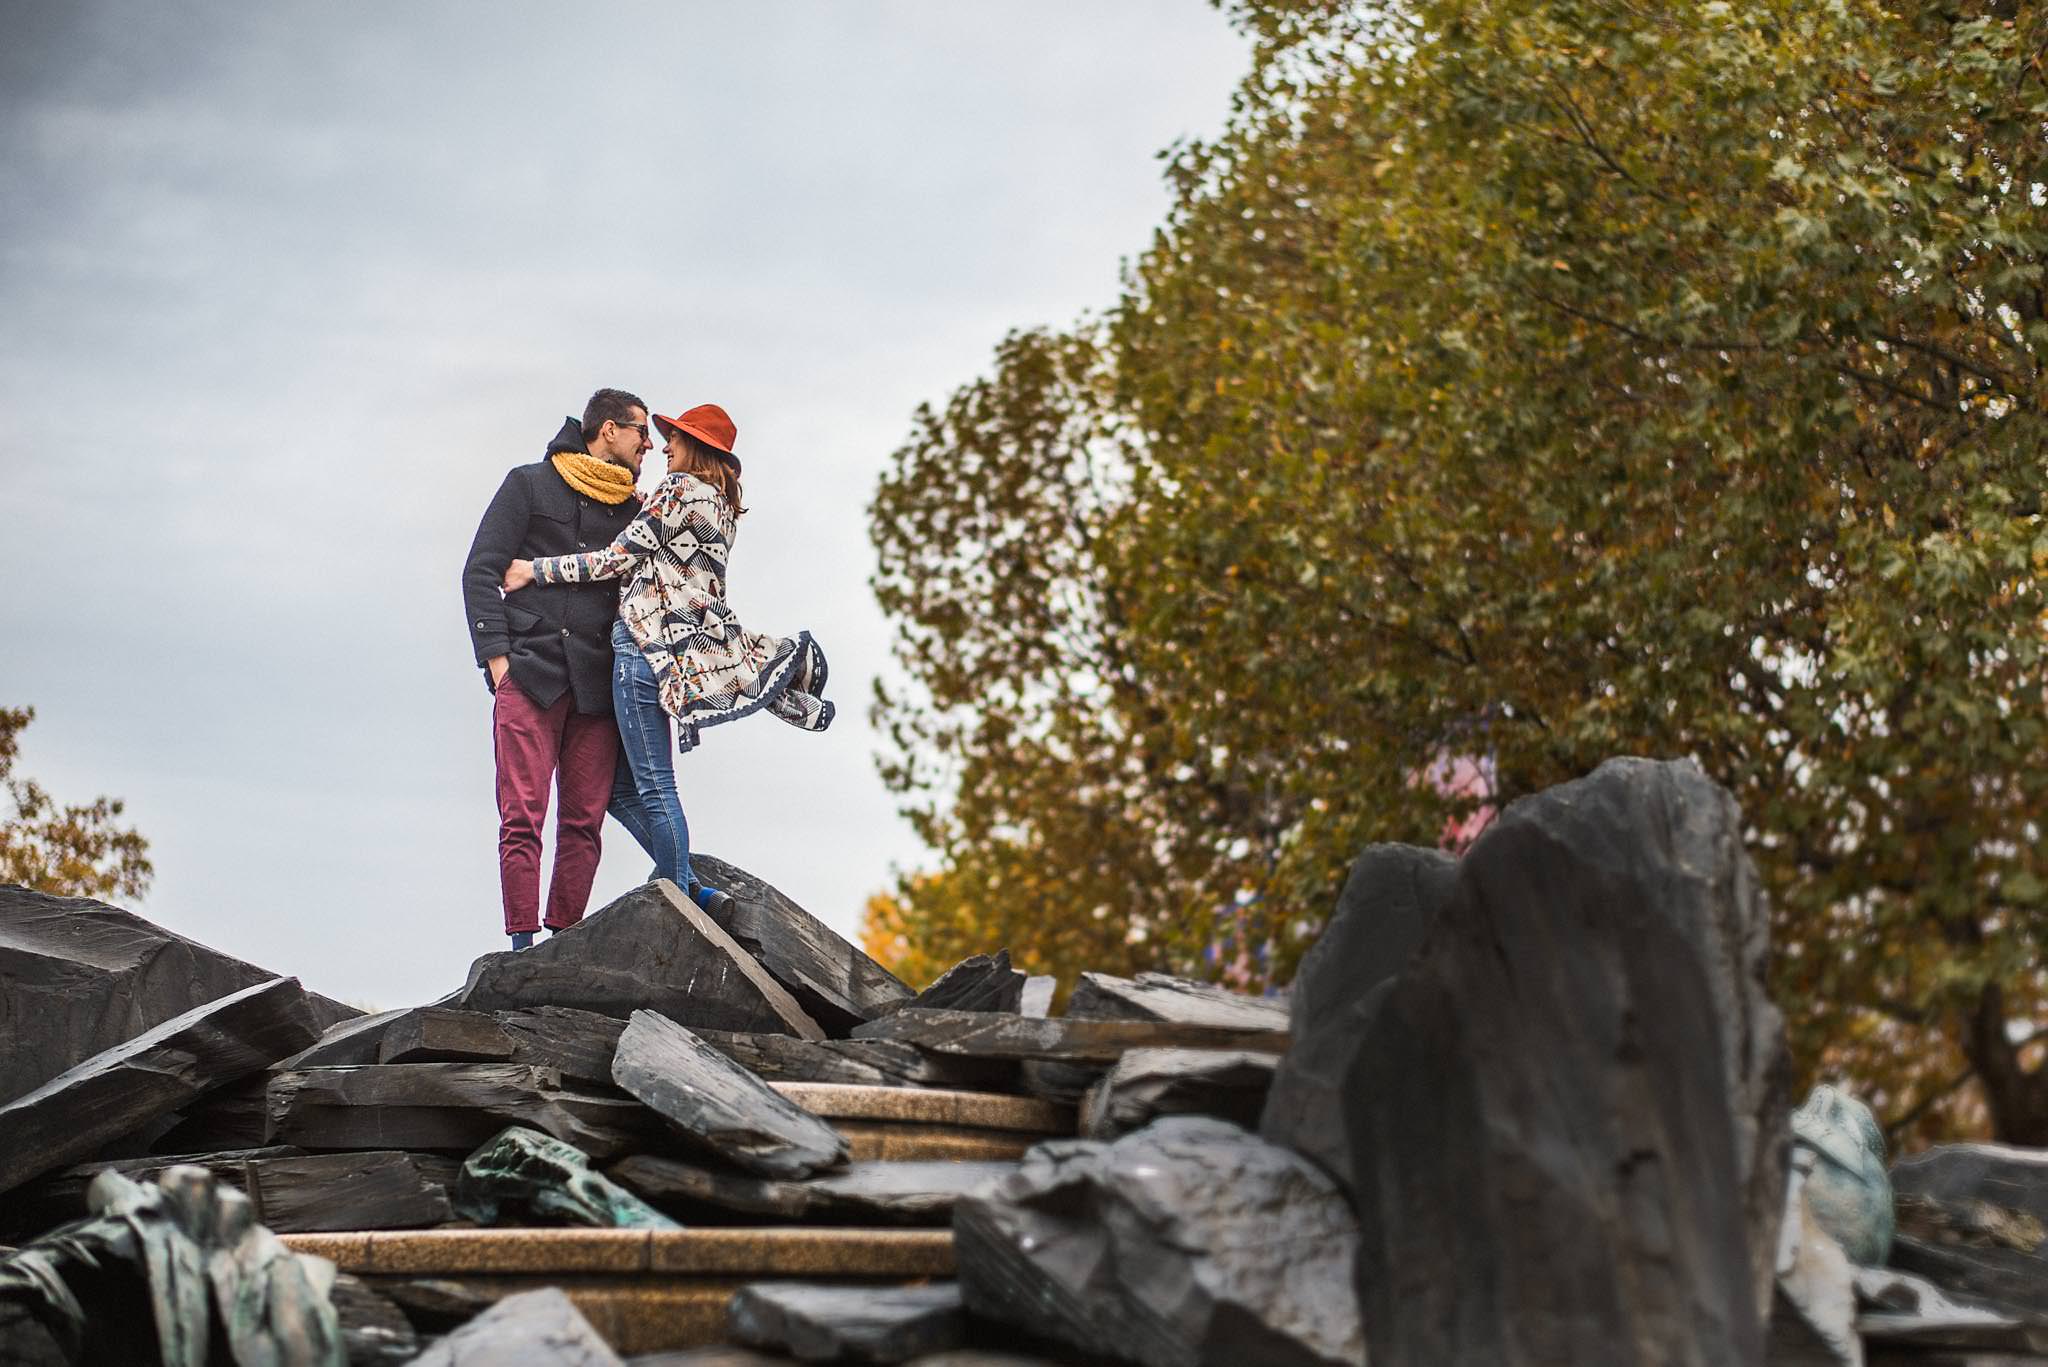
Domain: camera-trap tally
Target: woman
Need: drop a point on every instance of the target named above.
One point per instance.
(677, 649)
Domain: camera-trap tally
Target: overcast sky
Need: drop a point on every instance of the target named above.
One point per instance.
(288, 287)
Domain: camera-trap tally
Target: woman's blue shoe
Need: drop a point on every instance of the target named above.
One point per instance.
(522, 940)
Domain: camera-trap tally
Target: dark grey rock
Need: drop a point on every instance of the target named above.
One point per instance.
(1148, 1083)
(1903, 1314)
(448, 1106)
(1052, 1080)
(831, 1323)
(524, 1177)
(579, 1043)
(576, 1043)
(984, 982)
(531, 1329)
(864, 1063)
(78, 977)
(1191, 1242)
(374, 1331)
(170, 1065)
(231, 1117)
(837, 984)
(875, 1192)
(348, 1043)
(651, 949)
(440, 1034)
(51, 1200)
(1389, 902)
(1973, 1218)
(1179, 1001)
(983, 1034)
(1847, 1189)
(1566, 1111)
(435, 1305)
(718, 1105)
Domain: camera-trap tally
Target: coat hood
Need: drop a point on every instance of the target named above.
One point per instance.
(570, 438)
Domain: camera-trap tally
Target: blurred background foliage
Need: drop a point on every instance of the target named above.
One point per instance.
(1514, 384)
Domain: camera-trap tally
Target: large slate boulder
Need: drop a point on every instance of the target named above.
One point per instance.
(115, 1092)
(1190, 1242)
(78, 977)
(837, 984)
(1181, 1001)
(449, 1107)
(1389, 902)
(1568, 1114)
(652, 950)
(1973, 1218)
(717, 1105)
(1146, 1084)
(823, 1322)
(531, 1329)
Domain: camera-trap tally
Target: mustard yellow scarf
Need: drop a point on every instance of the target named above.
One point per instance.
(594, 478)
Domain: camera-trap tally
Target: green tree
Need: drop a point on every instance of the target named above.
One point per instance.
(74, 851)
(1543, 380)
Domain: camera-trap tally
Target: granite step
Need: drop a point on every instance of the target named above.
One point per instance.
(645, 1291)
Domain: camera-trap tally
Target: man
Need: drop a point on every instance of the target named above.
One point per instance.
(547, 656)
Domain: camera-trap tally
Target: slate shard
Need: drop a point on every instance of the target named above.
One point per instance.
(374, 1331)
(984, 982)
(1390, 900)
(231, 1117)
(906, 1192)
(878, 1063)
(1973, 1218)
(1146, 1084)
(523, 1177)
(827, 1323)
(1567, 1109)
(837, 984)
(450, 1107)
(531, 1329)
(1180, 1001)
(170, 1065)
(78, 977)
(652, 949)
(439, 1034)
(719, 1106)
(992, 1035)
(1189, 1242)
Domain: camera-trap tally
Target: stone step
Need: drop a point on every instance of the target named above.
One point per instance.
(903, 1124)
(646, 1291)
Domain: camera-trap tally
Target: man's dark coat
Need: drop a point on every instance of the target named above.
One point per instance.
(557, 636)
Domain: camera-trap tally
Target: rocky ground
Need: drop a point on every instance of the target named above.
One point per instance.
(1530, 1106)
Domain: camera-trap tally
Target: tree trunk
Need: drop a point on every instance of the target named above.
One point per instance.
(2018, 1099)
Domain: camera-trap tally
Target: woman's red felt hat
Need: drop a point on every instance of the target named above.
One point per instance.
(706, 422)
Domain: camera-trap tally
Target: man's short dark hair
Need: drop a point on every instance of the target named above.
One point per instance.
(609, 405)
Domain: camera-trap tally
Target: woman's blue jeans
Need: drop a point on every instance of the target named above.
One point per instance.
(648, 754)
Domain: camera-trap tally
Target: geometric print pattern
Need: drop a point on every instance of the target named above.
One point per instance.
(708, 668)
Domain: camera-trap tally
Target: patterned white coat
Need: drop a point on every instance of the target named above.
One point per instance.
(709, 669)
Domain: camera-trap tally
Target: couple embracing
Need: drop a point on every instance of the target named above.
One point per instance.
(602, 627)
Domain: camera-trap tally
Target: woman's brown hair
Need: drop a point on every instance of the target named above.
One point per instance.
(709, 464)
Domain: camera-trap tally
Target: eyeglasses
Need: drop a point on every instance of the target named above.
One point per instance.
(639, 427)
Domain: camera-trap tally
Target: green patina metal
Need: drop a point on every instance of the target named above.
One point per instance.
(175, 1271)
(523, 1174)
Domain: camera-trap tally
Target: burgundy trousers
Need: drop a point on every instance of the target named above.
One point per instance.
(575, 753)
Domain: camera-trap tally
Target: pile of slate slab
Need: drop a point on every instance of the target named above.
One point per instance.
(1527, 1106)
